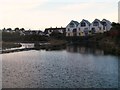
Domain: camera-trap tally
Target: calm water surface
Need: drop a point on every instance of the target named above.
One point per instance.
(74, 67)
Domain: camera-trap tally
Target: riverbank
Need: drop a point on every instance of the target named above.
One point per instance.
(101, 41)
(6, 45)
(52, 44)
(108, 45)
(107, 42)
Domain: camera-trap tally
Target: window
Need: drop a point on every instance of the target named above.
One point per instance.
(68, 34)
(89, 31)
(86, 28)
(95, 24)
(71, 24)
(74, 30)
(104, 23)
(93, 30)
(83, 24)
(68, 29)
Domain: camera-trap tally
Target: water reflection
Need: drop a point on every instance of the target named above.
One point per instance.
(60, 69)
(27, 45)
(84, 50)
(119, 72)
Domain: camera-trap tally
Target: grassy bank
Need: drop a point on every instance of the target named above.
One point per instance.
(6, 45)
(53, 44)
(107, 42)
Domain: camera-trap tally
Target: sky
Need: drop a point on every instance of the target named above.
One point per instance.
(41, 14)
(119, 12)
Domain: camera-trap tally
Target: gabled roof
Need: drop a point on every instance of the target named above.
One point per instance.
(55, 28)
(86, 21)
(75, 22)
(97, 20)
(106, 20)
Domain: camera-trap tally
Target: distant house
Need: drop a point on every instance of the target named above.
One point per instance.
(83, 28)
(34, 32)
(106, 25)
(41, 33)
(71, 28)
(49, 31)
(22, 31)
(96, 26)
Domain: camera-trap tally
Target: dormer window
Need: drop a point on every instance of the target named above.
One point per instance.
(71, 25)
(83, 24)
(95, 24)
(104, 23)
(68, 29)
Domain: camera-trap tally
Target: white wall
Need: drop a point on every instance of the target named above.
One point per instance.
(82, 29)
(97, 28)
(109, 26)
(70, 32)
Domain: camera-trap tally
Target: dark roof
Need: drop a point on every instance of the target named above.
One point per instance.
(98, 21)
(54, 28)
(46, 30)
(77, 23)
(86, 21)
(33, 31)
(106, 20)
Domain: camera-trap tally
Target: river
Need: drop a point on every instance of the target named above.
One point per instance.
(73, 67)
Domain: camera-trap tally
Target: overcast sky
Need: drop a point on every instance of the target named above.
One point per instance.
(41, 14)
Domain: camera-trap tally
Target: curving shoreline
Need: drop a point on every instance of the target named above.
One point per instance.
(34, 46)
(108, 47)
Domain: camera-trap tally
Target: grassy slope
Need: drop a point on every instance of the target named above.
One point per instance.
(9, 45)
(110, 44)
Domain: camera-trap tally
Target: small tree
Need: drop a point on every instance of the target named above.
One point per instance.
(16, 29)
(22, 29)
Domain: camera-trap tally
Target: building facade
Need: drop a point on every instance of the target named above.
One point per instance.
(96, 26)
(106, 25)
(71, 28)
(49, 31)
(85, 28)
